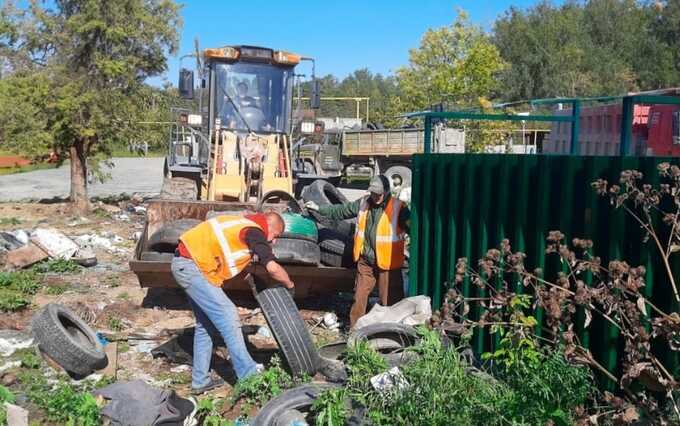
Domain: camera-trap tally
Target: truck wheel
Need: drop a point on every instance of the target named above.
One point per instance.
(294, 251)
(179, 188)
(68, 340)
(323, 193)
(399, 176)
(336, 249)
(166, 239)
(289, 330)
(299, 399)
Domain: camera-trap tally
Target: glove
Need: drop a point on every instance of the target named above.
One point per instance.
(311, 205)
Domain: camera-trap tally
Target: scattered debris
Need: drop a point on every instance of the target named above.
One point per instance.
(330, 321)
(25, 256)
(9, 242)
(106, 241)
(410, 311)
(385, 382)
(12, 340)
(16, 416)
(9, 365)
(54, 243)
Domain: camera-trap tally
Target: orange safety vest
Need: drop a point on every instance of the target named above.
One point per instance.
(217, 248)
(389, 239)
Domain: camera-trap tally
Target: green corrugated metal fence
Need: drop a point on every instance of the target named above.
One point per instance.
(463, 205)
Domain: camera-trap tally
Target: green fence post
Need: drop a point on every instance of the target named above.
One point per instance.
(626, 125)
(574, 149)
(427, 138)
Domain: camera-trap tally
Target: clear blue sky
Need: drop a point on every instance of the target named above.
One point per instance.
(341, 35)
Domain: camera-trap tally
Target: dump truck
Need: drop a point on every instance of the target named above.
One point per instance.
(233, 157)
(342, 153)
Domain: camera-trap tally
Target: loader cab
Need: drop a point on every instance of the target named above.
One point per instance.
(250, 89)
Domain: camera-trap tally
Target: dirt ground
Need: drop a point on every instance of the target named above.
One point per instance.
(13, 161)
(108, 297)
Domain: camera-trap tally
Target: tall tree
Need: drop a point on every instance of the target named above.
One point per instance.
(93, 57)
(456, 63)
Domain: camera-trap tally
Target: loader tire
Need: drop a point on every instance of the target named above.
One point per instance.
(300, 398)
(178, 188)
(323, 193)
(166, 239)
(68, 340)
(295, 251)
(289, 330)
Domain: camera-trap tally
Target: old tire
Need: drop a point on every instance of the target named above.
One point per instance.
(399, 176)
(336, 249)
(179, 188)
(165, 240)
(323, 193)
(154, 256)
(390, 340)
(68, 340)
(295, 251)
(289, 330)
(300, 398)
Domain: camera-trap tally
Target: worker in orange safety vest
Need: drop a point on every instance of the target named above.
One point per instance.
(208, 257)
(382, 224)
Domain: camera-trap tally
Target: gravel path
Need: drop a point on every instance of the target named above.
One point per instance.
(129, 176)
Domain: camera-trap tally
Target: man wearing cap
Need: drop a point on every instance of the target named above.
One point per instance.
(382, 223)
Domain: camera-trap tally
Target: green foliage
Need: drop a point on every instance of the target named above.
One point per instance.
(57, 266)
(363, 363)
(16, 289)
(62, 93)
(114, 324)
(29, 359)
(260, 388)
(208, 411)
(457, 62)
(5, 396)
(11, 221)
(56, 290)
(329, 408)
(598, 47)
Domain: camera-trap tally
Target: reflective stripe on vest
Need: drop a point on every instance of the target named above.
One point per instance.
(389, 239)
(217, 248)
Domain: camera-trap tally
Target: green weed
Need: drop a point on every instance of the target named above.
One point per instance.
(26, 282)
(115, 324)
(180, 378)
(363, 363)
(5, 396)
(260, 388)
(28, 358)
(208, 410)
(11, 301)
(57, 266)
(124, 296)
(123, 347)
(56, 290)
(10, 221)
(329, 408)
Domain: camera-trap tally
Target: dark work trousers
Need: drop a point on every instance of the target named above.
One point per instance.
(390, 288)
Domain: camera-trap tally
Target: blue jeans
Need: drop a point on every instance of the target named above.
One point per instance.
(214, 313)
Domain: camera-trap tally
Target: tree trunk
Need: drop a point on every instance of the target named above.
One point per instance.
(79, 177)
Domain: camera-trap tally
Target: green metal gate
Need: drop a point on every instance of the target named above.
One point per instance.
(473, 201)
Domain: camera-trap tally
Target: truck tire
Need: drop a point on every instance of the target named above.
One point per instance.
(68, 340)
(323, 193)
(300, 398)
(179, 188)
(289, 330)
(295, 251)
(166, 239)
(336, 249)
(399, 176)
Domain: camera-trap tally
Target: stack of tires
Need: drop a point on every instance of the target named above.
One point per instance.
(298, 245)
(334, 236)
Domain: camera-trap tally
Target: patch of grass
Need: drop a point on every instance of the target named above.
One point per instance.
(29, 168)
(112, 281)
(5, 396)
(57, 266)
(114, 324)
(124, 296)
(28, 358)
(10, 221)
(123, 347)
(100, 213)
(260, 388)
(208, 413)
(363, 363)
(56, 290)
(181, 378)
(16, 289)
(329, 408)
